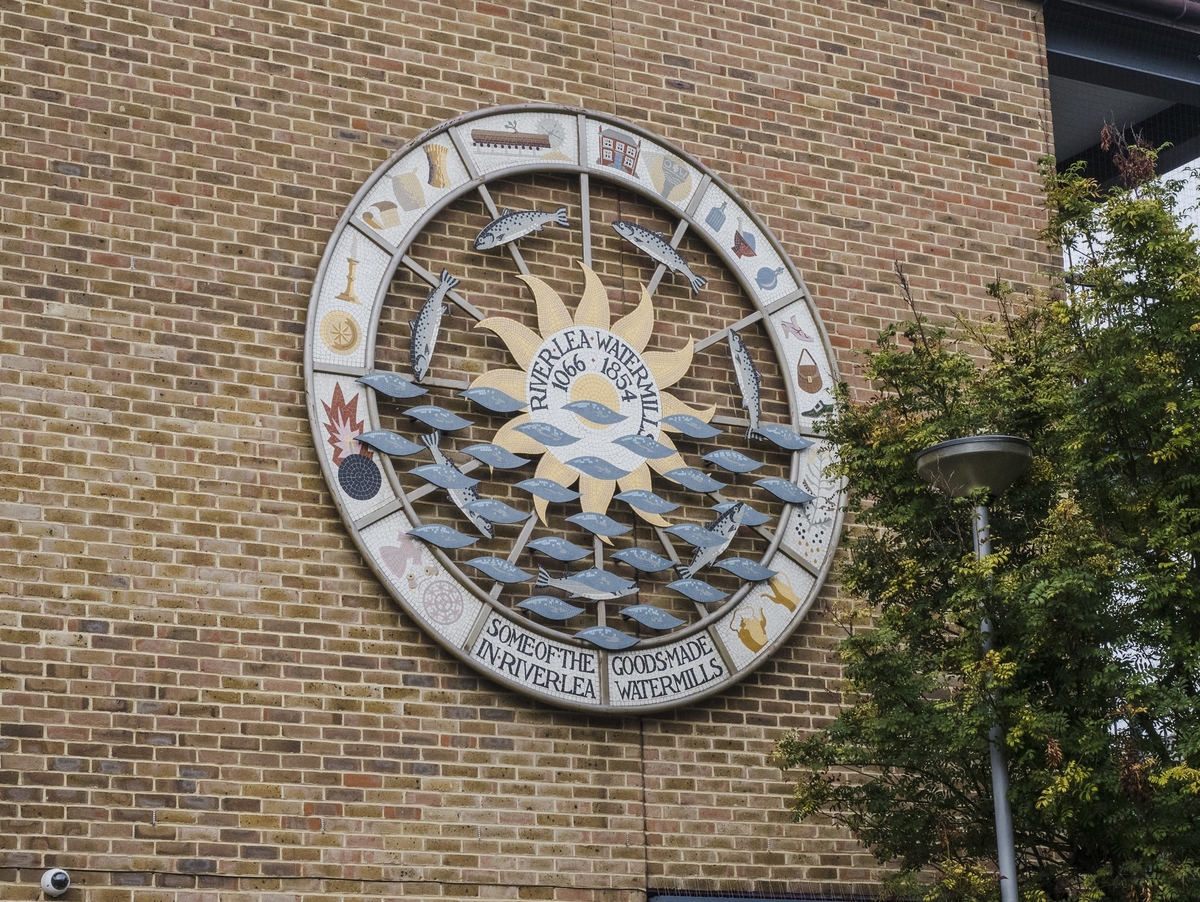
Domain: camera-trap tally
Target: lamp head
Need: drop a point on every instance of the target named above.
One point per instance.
(962, 465)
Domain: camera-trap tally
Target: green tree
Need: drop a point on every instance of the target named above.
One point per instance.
(1094, 589)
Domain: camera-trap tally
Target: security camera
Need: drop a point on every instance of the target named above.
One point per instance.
(55, 882)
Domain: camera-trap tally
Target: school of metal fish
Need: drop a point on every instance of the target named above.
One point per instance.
(710, 541)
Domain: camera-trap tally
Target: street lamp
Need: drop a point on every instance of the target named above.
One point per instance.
(960, 467)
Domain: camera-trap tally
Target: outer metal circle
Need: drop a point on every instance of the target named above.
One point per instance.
(372, 240)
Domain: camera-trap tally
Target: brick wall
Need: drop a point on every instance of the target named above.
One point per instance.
(203, 689)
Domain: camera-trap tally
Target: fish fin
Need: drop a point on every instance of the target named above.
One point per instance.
(560, 216)
(504, 212)
(698, 282)
(543, 578)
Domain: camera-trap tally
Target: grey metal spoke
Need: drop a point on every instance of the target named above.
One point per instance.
(585, 217)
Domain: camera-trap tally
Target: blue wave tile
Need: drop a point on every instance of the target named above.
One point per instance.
(442, 536)
(392, 385)
(390, 443)
(692, 427)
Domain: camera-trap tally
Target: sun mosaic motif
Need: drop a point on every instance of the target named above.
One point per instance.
(609, 514)
(593, 379)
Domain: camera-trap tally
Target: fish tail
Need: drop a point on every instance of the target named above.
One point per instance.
(698, 282)
(684, 571)
(753, 433)
(448, 280)
(543, 578)
(431, 440)
(560, 216)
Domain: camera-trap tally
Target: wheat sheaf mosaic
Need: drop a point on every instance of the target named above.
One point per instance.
(564, 387)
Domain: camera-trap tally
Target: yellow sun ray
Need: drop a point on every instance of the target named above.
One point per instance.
(669, 367)
(593, 304)
(639, 479)
(551, 311)
(522, 341)
(635, 328)
(517, 442)
(511, 382)
(595, 494)
(672, 405)
(550, 467)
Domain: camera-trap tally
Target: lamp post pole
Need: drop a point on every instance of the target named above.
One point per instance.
(960, 467)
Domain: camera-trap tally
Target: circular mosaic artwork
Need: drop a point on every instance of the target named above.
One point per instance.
(564, 384)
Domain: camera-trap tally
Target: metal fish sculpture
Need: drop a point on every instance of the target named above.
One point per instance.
(644, 446)
(445, 477)
(390, 443)
(733, 461)
(582, 588)
(425, 327)
(783, 437)
(657, 247)
(744, 568)
(550, 607)
(499, 569)
(442, 536)
(749, 380)
(392, 385)
(599, 524)
(697, 590)
(652, 617)
(606, 637)
(695, 535)
(462, 498)
(750, 516)
(642, 559)
(547, 489)
(724, 527)
(438, 417)
(692, 427)
(494, 400)
(497, 511)
(559, 548)
(644, 500)
(696, 480)
(495, 456)
(784, 490)
(513, 224)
